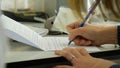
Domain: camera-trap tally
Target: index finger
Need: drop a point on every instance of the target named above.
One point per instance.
(72, 26)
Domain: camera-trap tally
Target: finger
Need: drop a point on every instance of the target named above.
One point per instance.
(69, 29)
(79, 32)
(59, 52)
(72, 51)
(72, 37)
(70, 54)
(88, 43)
(84, 42)
(83, 51)
(80, 42)
(77, 41)
(73, 26)
(63, 66)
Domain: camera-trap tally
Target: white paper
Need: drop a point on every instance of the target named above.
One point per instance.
(64, 17)
(22, 33)
(58, 43)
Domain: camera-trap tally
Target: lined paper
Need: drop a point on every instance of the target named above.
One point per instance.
(58, 43)
(24, 34)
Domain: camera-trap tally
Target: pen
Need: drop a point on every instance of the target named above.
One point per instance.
(86, 18)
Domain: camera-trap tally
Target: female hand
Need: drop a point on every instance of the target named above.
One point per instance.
(80, 58)
(92, 34)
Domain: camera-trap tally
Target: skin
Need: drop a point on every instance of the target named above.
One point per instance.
(85, 36)
(89, 35)
(82, 59)
(92, 34)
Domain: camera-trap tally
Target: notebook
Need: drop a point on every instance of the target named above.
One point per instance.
(24, 34)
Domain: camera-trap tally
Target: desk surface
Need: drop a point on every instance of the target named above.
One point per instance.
(22, 52)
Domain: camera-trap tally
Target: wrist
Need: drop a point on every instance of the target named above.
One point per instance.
(109, 35)
(104, 64)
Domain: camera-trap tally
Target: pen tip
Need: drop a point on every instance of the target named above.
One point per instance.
(69, 43)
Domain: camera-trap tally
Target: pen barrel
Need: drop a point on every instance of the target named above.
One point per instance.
(90, 12)
(95, 5)
(86, 18)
